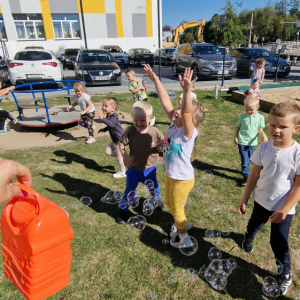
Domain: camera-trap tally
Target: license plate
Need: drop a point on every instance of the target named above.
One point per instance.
(221, 72)
(34, 76)
(102, 78)
(118, 60)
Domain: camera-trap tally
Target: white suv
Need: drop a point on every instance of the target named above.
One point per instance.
(34, 66)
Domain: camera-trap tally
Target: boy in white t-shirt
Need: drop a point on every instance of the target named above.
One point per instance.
(275, 182)
(193, 95)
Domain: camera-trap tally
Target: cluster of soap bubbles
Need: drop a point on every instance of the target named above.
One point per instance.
(216, 210)
(136, 222)
(83, 202)
(218, 270)
(112, 197)
(275, 267)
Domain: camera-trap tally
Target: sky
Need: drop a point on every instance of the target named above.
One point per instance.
(176, 11)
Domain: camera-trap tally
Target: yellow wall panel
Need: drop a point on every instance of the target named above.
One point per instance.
(0, 10)
(47, 19)
(93, 6)
(119, 18)
(149, 17)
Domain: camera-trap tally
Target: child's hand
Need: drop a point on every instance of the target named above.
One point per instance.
(278, 216)
(236, 141)
(101, 130)
(186, 81)
(128, 161)
(69, 107)
(99, 113)
(141, 87)
(12, 87)
(150, 73)
(264, 138)
(160, 144)
(82, 112)
(242, 208)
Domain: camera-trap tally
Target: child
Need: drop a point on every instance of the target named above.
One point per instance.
(258, 70)
(137, 86)
(179, 142)
(145, 142)
(275, 182)
(109, 107)
(193, 95)
(87, 109)
(254, 90)
(248, 126)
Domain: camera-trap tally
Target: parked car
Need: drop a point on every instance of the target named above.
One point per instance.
(34, 47)
(118, 54)
(34, 65)
(205, 59)
(246, 56)
(98, 67)
(166, 56)
(140, 56)
(3, 71)
(68, 57)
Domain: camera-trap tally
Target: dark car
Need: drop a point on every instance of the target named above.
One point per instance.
(205, 59)
(166, 56)
(118, 54)
(68, 57)
(246, 56)
(140, 56)
(98, 68)
(34, 47)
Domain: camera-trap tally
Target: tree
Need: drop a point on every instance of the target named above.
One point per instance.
(186, 38)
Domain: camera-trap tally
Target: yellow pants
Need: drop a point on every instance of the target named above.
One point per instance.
(177, 192)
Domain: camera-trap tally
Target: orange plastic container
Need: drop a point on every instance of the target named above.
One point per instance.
(36, 245)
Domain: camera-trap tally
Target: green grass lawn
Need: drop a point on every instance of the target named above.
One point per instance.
(111, 262)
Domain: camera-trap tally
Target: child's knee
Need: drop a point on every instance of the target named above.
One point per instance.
(108, 151)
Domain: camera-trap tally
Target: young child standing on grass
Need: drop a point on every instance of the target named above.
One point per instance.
(87, 109)
(145, 142)
(137, 86)
(248, 126)
(258, 70)
(275, 182)
(110, 107)
(179, 142)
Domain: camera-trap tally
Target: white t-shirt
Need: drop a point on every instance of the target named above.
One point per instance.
(82, 102)
(277, 177)
(194, 96)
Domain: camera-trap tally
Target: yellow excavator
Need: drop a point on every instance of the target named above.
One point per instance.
(184, 25)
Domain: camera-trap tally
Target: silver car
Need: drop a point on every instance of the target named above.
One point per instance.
(118, 54)
(205, 59)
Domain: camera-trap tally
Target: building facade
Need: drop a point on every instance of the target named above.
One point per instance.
(60, 24)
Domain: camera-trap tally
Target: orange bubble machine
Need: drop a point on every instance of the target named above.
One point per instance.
(36, 244)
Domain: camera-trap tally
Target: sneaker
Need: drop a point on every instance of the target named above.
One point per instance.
(152, 122)
(15, 121)
(4, 131)
(247, 244)
(174, 241)
(122, 218)
(186, 242)
(90, 140)
(284, 282)
(119, 175)
(174, 229)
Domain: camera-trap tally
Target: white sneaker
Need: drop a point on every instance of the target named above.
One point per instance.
(119, 175)
(152, 122)
(90, 140)
(174, 240)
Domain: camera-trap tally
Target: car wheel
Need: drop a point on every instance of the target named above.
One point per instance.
(195, 72)
(174, 69)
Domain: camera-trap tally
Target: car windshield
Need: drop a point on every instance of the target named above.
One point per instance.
(168, 51)
(260, 53)
(113, 49)
(207, 50)
(33, 55)
(142, 51)
(97, 57)
(71, 51)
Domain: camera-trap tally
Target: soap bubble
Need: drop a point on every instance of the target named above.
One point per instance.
(151, 296)
(209, 273)
(202, 222)
(275, 267)
(141, 192)
(206, 175)
(277, 292)
(74, 205)
(217, 233)
(225, 265)
(188, 246)
(137, 222)
(225, 231)
(165, 241)
(86, 200)
(123, 204)
(231, 217)
(209, 233)
(202, 271)
(153, 271)
(109, 198)
(140, 10)
(143, 62)
(117, 195)
(269, 291)
(233, 263)
(219, 280)
(149, 183)
(216, 210)
(214, 264)
(152, 193)
(190, 202)
(192, 274)
(184, 274)
(148, 208)
(269, 281)
(133, 200)
(173, 278)
(214, 253)
(198, 187)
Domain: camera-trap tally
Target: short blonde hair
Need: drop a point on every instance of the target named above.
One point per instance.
(285, 109)
(130, 71)
(79, 86)
(142, 108)
(251, 100)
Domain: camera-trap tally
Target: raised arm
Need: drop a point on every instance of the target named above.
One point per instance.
(161, 92)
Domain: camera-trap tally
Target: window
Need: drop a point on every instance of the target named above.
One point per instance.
(29, 26)
(66, 26)
(2, 28)
(33, 55)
